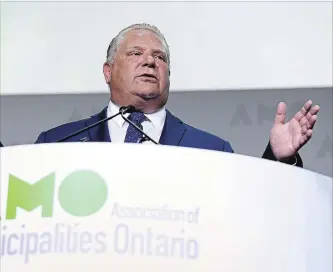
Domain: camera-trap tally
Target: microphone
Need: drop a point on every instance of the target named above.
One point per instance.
(122, 111)
(145, 137)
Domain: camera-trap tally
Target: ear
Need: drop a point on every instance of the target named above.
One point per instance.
(107, 69)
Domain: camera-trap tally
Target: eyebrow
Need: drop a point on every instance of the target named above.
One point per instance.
(135, 47)
(141, 48)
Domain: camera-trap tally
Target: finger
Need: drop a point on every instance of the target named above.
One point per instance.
(308, 135)
(311, 122)
(309, 117)
(304, 121)
(304, 110)
(305, 138)
(281, 111)
(304, 130)
(314, 110)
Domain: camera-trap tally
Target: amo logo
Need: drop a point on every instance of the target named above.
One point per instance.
(81, 193)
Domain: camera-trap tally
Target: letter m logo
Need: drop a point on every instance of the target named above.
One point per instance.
(30, 196)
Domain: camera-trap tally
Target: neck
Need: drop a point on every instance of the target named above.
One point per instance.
(143, 105)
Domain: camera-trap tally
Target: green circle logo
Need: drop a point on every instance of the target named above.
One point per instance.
(83, 193)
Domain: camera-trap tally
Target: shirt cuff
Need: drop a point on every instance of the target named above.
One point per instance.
(290, 161)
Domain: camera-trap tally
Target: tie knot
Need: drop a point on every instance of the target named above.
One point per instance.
(137, 117)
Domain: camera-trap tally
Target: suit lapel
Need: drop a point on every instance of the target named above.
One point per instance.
(172, 133)
(173, 130)
(99, 133)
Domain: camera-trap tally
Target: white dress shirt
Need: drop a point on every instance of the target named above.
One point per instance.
(118, 126)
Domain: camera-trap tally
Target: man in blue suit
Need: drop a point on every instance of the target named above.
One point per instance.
(137, 71)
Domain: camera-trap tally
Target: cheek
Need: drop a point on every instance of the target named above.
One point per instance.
(165, 80)
(125, 72)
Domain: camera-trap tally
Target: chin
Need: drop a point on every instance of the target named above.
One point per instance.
(149, 102)
(148, 94)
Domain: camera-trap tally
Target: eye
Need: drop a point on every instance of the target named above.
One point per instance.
(161, 57)
(135, 53)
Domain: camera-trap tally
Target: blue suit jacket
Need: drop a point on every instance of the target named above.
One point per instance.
(175, 132)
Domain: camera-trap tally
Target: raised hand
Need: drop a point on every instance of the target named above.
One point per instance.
(287, 138)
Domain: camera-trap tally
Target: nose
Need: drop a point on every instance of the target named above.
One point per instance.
(149, 61)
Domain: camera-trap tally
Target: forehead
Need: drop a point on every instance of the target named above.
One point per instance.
(141, 38)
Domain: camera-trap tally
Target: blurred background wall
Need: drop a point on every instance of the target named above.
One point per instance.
(231, 63)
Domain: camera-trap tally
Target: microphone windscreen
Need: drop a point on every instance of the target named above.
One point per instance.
(127, 109)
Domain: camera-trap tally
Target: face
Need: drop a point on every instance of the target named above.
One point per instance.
(139, 75)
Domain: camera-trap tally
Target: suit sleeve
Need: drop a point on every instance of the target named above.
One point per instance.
(269, 155)
(227, 147)
(41, 138)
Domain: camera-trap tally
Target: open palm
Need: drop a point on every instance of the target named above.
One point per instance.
(287, 138)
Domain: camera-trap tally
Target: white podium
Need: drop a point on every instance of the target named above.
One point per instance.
(106, 207)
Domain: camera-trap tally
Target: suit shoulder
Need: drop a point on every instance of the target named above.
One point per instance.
(202, 133)
(79, 124)
(61, 131)
(70, 125)
(195, 137)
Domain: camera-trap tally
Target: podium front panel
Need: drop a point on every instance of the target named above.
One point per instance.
(127, 207)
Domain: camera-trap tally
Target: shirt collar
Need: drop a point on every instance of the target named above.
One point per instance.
(156, 118)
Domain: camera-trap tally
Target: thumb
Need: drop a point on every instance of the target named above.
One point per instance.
(281, 112)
